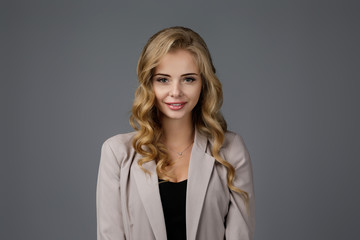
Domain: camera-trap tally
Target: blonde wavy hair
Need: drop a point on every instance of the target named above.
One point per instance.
(206, 115)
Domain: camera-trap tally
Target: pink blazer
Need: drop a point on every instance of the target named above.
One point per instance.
(128, 201)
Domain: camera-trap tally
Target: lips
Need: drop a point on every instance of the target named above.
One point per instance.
(176, 105)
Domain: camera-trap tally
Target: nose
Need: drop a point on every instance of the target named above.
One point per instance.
(175, 90)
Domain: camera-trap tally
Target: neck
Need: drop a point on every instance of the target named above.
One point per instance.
(178, 133)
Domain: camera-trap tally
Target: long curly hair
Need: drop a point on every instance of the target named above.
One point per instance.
(206, 115)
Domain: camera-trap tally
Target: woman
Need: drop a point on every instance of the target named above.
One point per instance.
(181, 174)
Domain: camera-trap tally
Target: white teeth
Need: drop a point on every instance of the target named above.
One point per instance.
(177, 104)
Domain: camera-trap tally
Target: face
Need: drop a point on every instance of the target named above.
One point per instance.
(177, 85)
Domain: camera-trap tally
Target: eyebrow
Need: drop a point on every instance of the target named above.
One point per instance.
(167, 75)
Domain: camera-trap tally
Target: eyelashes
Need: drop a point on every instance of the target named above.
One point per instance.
(189, 79)
(161, 80)
(186, 79)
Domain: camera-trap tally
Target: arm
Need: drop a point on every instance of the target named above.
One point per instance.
(108, 207)
(240, 222)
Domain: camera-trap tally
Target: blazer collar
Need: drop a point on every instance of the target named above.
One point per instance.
(200, 169)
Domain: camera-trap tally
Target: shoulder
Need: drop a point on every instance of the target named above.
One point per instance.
(231, 139)
(120, 143)
(234, 148)
(120, 138)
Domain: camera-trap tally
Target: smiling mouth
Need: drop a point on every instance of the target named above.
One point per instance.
(176, 103)
(176, 106)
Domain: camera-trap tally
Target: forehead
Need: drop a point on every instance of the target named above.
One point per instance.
(177, 62)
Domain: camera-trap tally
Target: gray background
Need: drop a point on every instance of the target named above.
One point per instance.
(290, 74)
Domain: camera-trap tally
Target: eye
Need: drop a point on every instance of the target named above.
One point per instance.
(162, 80)
(189, 79)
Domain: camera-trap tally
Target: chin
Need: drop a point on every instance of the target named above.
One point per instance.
(175, 116)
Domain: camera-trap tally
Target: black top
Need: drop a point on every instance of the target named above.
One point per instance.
(173, 199)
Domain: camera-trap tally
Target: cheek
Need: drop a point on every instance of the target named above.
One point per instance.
(159, 95)
(197, 92)
(155, 91)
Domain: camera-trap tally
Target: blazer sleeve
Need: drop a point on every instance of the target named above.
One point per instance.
(108, 207)
(240, 221)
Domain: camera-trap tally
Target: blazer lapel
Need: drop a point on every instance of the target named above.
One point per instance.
(200, 169)
(148, 187)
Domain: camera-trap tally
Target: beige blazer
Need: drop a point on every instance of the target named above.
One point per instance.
(128, 202)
